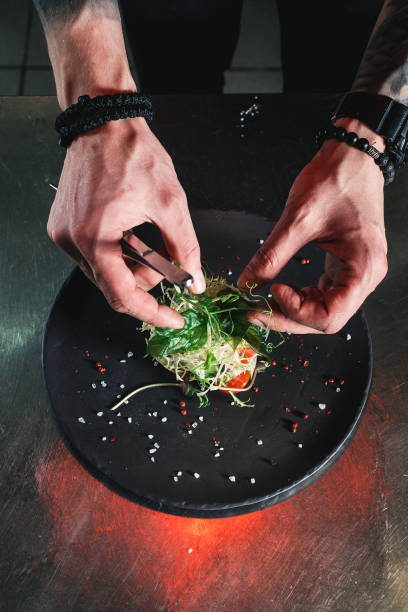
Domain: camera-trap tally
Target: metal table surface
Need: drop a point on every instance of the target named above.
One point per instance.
(67, 541)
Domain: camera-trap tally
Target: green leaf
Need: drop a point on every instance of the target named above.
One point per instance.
(166, 341)
(211, 365)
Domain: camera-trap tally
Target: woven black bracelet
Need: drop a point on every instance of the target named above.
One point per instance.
(90, 113)
(383, 160)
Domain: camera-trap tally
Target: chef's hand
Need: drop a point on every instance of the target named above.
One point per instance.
(336, 202)
(113, 179)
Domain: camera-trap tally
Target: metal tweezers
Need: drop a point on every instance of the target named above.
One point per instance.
(136, 250)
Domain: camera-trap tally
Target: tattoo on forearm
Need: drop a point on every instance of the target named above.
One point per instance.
(64, 10)
(384, 67)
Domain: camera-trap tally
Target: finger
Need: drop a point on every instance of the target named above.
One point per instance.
(145, 277)
(326, 311)
(66, 244)
(118, 285)
(281, 245)
(182, 245)
(279, 322)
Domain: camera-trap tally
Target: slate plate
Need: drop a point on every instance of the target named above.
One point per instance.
(333, 371)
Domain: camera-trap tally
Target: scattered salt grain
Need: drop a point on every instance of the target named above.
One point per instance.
(130, 354)
(104, 438)
(152, 450)
(300, 445)
(152, 459)
(322, 406)
(150, 436)
(163, 419)
(156, 445)
(196, 475)
(338, 389)
(259, 442)
(179, 473)
(194, 425)
(122, 386)
(110, 423)
(130, 419)
(164, 401)
(201, 418)
(122, 361)
(232, 478)
(348, 337)
(103, 383)
(100, 413)
(154, 413)
(175, 479)
(217, 454)
(190, 550)
(93, 386)
(189, 431)
(81, 419)
(252, 480)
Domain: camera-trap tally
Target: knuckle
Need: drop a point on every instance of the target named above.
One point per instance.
(116, 303)
(267, 258)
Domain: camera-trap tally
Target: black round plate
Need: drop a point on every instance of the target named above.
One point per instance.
(269, 460)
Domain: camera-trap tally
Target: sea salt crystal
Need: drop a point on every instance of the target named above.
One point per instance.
(232, 478)
(110, 423)
(259, 442)
(175, 479)
(164, 401)
(252, 480)
(152, 459)
(190, 431)
(194, 425)
(122, 386)
(118, 396)
(261, 241)
(156, 445)
(196, 475)
(338, 389)
(217, 454)
(81, 419)
(125, 401)
(130, 419)
(118, 414)
(179, 473)
(103, 383)
(322, 406)
(190, 550)
(100, 413)
(348, 337)
(154, 413)
(150, 436)
(300, 445)
(130, 354)
(104, 438)
(164, 419)
(201, 418)
(152, 450)
(122, 361)
(93, 386)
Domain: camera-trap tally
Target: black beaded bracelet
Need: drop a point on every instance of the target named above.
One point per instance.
(351, 138)
(90, 113)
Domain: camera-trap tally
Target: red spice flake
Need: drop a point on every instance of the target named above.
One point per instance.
(306, 363)
(294, 428)
(317, 432)
(112, 439)
(331, 380)
(250, 437)
(183, 412)
(273, 375)
(285, 367)
(305, 415)
(341, 382)
(302, 382)
(182, 404)
(215, 409)
(78, 390)
(237, 257)
(102, 370)
(316, 348)
(126, 467)
(326, 382)
(287, 410)
(76, 371)
(106, 356)
(261, 425)
(303, 261)
(87, 353)
(108, 339)
(256, 389)
(273, 363)
(329, 412)
(75, 348)
(98, 364)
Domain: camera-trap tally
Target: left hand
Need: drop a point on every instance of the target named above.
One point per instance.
(337, 202)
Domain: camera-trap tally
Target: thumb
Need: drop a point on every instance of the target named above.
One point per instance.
(283, 242)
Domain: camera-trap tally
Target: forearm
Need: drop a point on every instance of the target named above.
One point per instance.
(86, 48)
(384, 67)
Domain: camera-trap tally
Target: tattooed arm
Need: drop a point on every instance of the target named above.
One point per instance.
(384, 67)
(115, 177)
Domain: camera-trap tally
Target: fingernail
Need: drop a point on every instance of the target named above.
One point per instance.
(258, 322)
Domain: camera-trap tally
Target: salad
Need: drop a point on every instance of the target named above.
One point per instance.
(218, 349)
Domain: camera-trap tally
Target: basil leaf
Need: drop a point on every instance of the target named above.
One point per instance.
(166, 341)
(211, 365)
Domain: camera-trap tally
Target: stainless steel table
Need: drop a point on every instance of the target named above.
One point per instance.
(68, 542)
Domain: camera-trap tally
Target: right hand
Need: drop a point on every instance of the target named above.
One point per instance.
(115, 178)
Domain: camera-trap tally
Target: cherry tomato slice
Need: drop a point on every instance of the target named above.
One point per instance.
(238, 382)
(248, 352)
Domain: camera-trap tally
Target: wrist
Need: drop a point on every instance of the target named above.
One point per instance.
(88, 57)
(362, 130)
